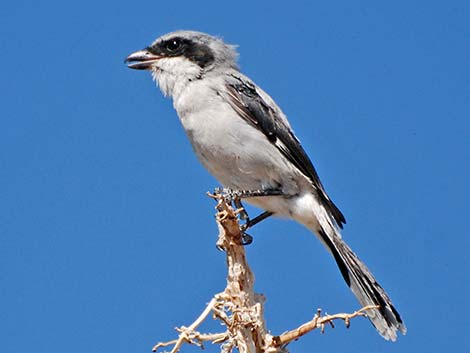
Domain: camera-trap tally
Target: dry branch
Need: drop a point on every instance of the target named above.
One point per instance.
(238, 307)
(318, 321)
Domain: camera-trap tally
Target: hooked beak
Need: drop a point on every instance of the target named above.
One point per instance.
(141, 60)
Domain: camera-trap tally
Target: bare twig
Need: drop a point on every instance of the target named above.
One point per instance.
(193, 338)
(247, 327)
(318, 321)
(238, 307)
(187, 332)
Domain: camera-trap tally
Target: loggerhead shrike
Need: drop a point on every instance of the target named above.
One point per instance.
(245, 141)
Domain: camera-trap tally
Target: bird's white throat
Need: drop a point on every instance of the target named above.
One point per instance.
(172, 75)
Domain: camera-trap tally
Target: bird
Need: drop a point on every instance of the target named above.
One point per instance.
(245, 141)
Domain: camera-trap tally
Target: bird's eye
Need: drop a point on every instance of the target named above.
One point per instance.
(173, 45)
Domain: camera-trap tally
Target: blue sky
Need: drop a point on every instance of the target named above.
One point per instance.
(107, 237)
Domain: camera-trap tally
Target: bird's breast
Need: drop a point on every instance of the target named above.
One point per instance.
(235, 152)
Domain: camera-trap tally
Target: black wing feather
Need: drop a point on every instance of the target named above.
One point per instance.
(245, 99)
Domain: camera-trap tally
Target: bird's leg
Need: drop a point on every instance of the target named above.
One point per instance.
(235, 196)
(241, 209)
(246, 238)
(251, 222)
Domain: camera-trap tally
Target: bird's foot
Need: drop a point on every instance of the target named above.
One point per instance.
(230, 195)
(234, 198)
(247, 239)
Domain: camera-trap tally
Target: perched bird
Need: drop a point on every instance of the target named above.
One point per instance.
(244, 140)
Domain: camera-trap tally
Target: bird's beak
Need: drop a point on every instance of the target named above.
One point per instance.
(141, 60)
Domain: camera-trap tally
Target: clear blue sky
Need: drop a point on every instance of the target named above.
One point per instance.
(107, 237)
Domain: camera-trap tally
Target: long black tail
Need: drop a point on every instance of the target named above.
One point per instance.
(367, 290)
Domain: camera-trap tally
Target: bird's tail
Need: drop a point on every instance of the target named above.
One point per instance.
(367, 290)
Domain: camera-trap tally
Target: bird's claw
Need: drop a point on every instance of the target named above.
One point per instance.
(247, 239)
(234, 198)
(228, 194)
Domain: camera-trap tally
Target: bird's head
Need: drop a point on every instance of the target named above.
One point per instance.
(183, 56)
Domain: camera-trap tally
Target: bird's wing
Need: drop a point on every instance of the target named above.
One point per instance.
(259, 110)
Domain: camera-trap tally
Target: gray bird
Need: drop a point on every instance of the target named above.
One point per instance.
(244, 140)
